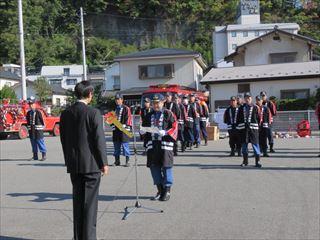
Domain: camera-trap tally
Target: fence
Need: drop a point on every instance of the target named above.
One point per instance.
(283, 121)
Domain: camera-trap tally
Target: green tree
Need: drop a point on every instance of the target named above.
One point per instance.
(7, 93)
(43, 89)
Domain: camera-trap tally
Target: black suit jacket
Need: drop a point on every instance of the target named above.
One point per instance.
(82, 138)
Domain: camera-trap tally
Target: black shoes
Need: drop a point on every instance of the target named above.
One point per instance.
(35, 157)
(206, 142)
(127, 162)
(158, 195)
(239, 153)
(245, 160)
(265, 154)
(258, 164)
(165, 195)
(117, 161)
(44, 156)
(271, 148)
(232, 154)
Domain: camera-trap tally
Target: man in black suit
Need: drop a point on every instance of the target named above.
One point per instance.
(84, 148)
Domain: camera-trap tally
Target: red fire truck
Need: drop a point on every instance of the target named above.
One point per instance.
(174, 89)
(13, 120)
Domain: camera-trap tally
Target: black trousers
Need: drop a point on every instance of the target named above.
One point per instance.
(234, 140)
(85, 205)
(263, 136)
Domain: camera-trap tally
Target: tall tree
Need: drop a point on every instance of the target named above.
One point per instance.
(43, 89)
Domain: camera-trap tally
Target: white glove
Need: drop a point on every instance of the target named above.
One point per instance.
(142, 132)
(162, 133)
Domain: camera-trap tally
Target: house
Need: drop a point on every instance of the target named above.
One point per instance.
(227, 38)
(66, 76)
(156, 66)
(277, 46)
(58, 96)
(14, 68)
(282, 80)
(8, 78)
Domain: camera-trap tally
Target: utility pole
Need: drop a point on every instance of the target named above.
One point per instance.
(83, 47)
(22, 59)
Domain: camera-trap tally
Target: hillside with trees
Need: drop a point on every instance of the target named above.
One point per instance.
(52, 31)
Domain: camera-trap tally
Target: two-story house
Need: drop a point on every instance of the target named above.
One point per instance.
(159, 66)
(278, 62)
(66, 76)
(248, 27)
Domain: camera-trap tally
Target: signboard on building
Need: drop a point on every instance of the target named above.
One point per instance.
(248, 7)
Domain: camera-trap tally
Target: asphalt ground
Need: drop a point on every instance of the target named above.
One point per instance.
(212, 197)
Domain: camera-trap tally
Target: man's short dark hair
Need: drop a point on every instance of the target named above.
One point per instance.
(83, 89)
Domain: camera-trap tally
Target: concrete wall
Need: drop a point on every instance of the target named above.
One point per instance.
(63, 99)
(259, 52)
(220, 44)
(111, 71)
(273, 88)
(8, 82)
(184, 73)
(30, 91)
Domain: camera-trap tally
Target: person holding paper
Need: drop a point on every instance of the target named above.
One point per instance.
(160, 146)
(119, 138)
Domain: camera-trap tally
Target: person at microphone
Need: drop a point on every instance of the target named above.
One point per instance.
(160, 144)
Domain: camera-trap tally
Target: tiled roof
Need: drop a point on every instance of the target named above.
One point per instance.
(263, 72)
(9, 75)
(157, 52)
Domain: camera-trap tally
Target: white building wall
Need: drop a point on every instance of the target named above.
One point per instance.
(259, 53)
(223, 40)
(198, 74)
(56, 72)
(30, 92)
(63, 99)
(8, 82)
(183, 72)
(111, 72)
(273, 88)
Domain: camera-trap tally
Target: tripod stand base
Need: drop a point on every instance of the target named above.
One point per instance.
(129, 210)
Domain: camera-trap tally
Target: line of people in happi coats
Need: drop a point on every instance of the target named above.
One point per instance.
(250, 122)
(178, 120)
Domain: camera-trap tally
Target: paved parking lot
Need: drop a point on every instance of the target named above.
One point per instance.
(212, 198)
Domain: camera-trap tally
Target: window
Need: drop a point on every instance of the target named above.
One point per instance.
(8, 84)
(156, 71)
(295, 94)
(256, 33)
(234, 46)
(233, 34)
(245, 33)
(55, 81)
(283, 57)
(116, 82)
(58, 102)
(221, 104)
(72, 81)
(66, 71)
(243, 88)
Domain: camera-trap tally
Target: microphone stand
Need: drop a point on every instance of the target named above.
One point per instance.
(131, 209)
